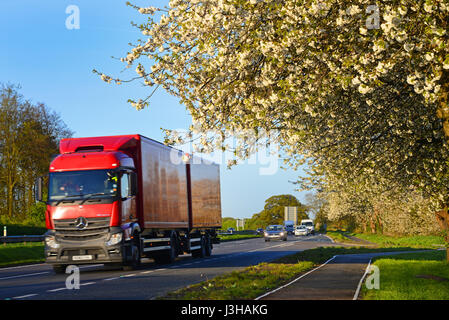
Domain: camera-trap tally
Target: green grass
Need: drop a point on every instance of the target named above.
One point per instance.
(337, 236)
(408, 241)
(231, 237)
(19, 253)
(411, 276)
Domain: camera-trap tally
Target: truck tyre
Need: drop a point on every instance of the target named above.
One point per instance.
(200, 253)
(135, 254)
(59, 268)
(168, 256)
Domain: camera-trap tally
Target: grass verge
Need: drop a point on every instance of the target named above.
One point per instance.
(409, 241)
(232, 237)
(20, 253)
(337, 236)
(411, 276)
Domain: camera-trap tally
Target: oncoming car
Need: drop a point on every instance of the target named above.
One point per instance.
(275, 232)
(301, 230)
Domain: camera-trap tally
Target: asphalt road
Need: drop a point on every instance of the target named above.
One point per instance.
(150, 280)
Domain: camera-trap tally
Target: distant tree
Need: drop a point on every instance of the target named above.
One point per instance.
(273, 212)
(29, 136)
(228, 222)
(316, 205)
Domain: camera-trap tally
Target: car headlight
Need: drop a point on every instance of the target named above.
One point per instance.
(266, 234)
(50, 241)
(282, 233)
(114, 239)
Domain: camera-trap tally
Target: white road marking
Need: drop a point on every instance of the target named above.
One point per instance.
(55, 290)
(129, 275)
(149, 271)
(24, 275)
(25, 296)
(356, 294)
(24, 266)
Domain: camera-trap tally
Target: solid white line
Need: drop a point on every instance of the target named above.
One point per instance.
(302, 276)
(55, 290)
(87, 283)
(26, 296)
(109, 279)
(23, 275)
(357, 292)
(24, 266)
(332, 240)
(89, 266)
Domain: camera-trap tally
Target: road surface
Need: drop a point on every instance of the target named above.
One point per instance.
(150, 280)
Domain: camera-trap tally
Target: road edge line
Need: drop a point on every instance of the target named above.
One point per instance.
(357, 291)
(300, 277)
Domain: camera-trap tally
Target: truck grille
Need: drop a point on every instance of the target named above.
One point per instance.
(96, 228)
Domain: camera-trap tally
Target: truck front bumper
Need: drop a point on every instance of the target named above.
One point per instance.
(83, 251)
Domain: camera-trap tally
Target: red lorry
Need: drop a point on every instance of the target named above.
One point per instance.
(116, 199)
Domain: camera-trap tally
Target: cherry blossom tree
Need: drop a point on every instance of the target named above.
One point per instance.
(356, 89)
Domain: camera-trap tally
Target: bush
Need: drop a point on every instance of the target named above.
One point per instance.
(36, 214)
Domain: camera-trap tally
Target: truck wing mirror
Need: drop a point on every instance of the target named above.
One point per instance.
(38, 189)
(133, 184)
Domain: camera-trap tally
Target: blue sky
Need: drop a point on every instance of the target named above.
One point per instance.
(54, 65)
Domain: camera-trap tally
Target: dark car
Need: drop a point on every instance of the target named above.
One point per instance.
(275, 232)
(259, 231)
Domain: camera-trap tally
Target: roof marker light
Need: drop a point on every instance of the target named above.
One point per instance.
(185, 157)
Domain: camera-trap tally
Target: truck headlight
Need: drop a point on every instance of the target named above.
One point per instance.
(282, 233)
(50, 241)
(114, 239)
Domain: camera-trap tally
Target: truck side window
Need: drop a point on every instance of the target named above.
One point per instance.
(124, 183)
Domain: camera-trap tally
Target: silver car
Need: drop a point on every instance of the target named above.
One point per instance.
(301, 230)
(275, 232)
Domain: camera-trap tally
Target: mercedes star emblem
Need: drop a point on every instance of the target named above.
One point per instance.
(81, 223)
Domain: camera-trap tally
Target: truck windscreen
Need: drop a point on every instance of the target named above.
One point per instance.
(74, 184)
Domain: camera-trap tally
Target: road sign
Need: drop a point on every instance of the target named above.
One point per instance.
(291, 214)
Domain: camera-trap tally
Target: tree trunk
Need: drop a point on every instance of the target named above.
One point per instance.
(443, 220)
(443, 113)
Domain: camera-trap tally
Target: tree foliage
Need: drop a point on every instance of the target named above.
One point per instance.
(356, 90)
(29, 136)
(273, 212)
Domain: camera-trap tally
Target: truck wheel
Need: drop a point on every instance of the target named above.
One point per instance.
(200, 253)
(135, 255)
(59, 268)
(167, 256)
(208, 247)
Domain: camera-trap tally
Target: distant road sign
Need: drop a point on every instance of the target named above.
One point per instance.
(291, 214)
